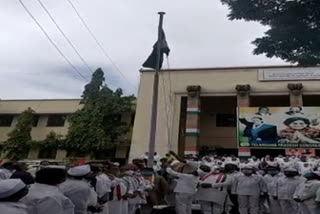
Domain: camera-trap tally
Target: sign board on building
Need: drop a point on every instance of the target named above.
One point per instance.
(279, 127)
(274, 74)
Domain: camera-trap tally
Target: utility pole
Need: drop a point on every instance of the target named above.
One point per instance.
(154, 111)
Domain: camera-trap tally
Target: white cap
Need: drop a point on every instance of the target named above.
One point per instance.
(79, 170)
(274, 164)
(247, 166)
(290, 170)
(174, 162)
(9, 187)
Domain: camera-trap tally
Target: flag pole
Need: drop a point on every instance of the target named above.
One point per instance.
(154, 110)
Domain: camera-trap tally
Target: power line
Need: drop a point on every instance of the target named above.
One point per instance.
(64, 35)
(98, 43)
(48, 37)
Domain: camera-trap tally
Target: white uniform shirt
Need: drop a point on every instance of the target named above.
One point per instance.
(284, 165)
(5, 174)
(47, 199)
(187, 183)
(286, 187)
(120, 188)
(318, 195)
(248, 185)
(103, 185)
(271, 183)
(13, 208)
(214, 194)
(304, 167)
(80, 193)
(307, 190)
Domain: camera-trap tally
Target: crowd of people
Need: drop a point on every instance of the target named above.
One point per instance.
(219, 184)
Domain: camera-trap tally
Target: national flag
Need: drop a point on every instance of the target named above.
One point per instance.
(151, 62)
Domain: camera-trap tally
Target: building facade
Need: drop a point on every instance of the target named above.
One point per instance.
(51, 115)
(197, 108)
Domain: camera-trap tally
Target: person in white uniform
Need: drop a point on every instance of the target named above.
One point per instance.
(79, 191)
(248, 187)
(305, 194)
(11, 191)
(119, 187)
(304, 166)
(285, 188)
(102, 185)
(185, 189)
(6, 170)
(45, 197)
(213, 192)
(270, 179)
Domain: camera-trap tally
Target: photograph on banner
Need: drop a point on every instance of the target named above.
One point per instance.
(300, 152)
(279, 127)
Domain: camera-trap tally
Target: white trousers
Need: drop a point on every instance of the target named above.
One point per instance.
(274, 206)
(310, 207)
(248, 204)
(132, 208)
(118, 207)
(184, 203)
(208, 207)
(289, 206)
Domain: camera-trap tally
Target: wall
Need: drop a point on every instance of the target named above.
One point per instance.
(213, 82)
(45, 107)
(213, 136)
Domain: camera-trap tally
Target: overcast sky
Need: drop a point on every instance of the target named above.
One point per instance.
(198, 32)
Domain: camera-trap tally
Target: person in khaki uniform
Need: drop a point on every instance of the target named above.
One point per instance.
(156, 195)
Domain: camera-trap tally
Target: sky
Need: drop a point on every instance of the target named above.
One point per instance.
(199, 34)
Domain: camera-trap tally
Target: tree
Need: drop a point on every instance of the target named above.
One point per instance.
(52, 141)
(49, 146)
(18, 144)
(98, 125)
(294, 27)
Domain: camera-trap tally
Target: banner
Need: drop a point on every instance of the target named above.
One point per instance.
(279, 127)
(244, 152)
(299, 152)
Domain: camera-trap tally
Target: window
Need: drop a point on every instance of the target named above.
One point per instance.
(6, 120)
(56, 120)
(47, 153)
(225, 120)
(35, 120)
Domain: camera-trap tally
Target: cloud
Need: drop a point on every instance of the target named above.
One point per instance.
(199, 35)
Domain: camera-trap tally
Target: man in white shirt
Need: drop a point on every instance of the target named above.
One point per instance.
(11, 191)
(304, 166)
(45, 197)
(79, 191)
(270, 179)
(248, 187)
(285, 188)
(213, 192)
(305, 194)
(185, 189)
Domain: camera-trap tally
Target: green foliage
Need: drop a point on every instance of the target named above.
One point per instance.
(294, 27)
(98, 125)
(52, 141)
(18, 144)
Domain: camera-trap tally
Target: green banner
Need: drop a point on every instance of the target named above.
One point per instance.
(279, 127)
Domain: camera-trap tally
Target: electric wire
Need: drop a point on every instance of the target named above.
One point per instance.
(64, 35)
(51, 41)
(99, 44)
